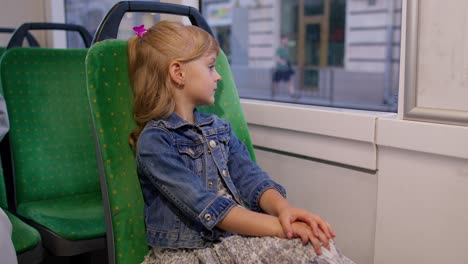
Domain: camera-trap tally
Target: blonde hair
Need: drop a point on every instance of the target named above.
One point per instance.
(149, 58)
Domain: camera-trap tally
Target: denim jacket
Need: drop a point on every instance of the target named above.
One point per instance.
(179, 166)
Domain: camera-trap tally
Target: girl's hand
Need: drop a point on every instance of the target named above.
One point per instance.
(289, 215)
(303, 231)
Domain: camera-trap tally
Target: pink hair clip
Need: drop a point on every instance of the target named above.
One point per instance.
(140, 30)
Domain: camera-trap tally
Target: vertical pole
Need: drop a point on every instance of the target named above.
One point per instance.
(388, 74)
(301, 46)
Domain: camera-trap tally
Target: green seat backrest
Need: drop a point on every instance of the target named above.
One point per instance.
(227, 103)
(51, 132)
(110, 99)
(111, 105)
(2, 49)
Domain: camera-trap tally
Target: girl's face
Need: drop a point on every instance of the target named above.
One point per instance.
(201, 79)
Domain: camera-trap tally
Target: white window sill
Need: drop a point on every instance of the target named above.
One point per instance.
(433, 138)
(344, 136)
(331, 134)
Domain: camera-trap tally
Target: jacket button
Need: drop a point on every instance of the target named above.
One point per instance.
(210, 184)
(207, 217)
(212, 143)
(224, 172)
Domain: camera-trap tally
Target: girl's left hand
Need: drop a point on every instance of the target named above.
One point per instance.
(290, 215)
(303, 231)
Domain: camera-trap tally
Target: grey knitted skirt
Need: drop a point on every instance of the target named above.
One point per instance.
(249, 250)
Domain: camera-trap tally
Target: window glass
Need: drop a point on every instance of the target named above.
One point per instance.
(289, 27)
(340, 53)
(313, 7)
(336, 36)
(89, 14)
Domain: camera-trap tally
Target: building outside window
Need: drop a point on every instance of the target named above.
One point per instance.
(344, 53)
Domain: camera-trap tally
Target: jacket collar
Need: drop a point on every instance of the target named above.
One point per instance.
(175, 121)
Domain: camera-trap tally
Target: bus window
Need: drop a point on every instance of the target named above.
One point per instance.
(338, 53)
(341, 53)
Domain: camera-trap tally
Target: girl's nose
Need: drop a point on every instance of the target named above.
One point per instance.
(218, 77)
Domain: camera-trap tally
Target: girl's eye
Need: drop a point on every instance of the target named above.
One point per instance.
(211, 67)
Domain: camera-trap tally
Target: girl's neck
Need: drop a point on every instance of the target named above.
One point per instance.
(184, 106)
(185, 113)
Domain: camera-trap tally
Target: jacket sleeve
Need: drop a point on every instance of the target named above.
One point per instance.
(250, 180)
(159, 161)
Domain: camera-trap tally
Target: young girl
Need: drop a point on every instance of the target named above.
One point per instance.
(205, 200)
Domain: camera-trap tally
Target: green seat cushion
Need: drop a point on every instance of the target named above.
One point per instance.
(51, 131)
(73, 218)
(24, 236)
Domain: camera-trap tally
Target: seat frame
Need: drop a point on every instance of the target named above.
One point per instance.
(59, 246)
(32, 256)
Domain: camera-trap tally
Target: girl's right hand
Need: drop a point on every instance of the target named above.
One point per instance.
(304, 232)
(288, 215)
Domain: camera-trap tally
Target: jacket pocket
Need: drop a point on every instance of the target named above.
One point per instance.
(192, 151)
(192, 156)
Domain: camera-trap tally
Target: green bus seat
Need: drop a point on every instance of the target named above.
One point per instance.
(26, 239)
(24, 236)
(111, 106)
(52, 148)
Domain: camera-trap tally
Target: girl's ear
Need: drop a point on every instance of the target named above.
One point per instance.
(176, 72)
